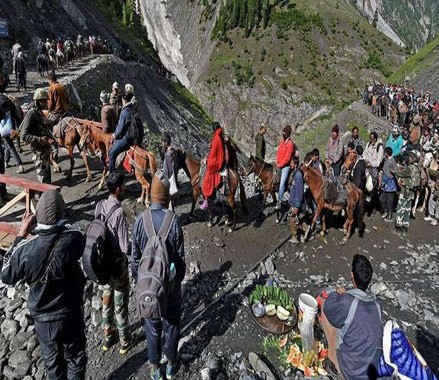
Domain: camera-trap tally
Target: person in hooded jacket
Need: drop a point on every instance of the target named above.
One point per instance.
(48, 262)
(215, 162)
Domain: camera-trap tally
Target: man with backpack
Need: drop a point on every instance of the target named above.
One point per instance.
(158, 268)
(49, 263)
(116, 292)
(351, 321)
(129, 130)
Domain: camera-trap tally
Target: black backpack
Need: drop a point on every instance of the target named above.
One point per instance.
(99, 256)
(135, 131)
(154, 268)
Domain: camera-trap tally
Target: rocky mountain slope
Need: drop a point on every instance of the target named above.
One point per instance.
(421, 70)
(288, 63)
(413, 23)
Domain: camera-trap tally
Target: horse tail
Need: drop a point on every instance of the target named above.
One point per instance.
(243, 196)
(360, 214)
(152, 162)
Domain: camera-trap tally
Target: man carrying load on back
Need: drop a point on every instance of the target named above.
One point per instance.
(158, 268)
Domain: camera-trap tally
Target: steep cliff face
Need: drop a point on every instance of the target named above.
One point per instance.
(413, 22)
(180, 31)
(368, 8)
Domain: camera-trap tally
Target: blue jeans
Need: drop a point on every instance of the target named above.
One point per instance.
(170, 325)
(118, 147)
(285, 173)
(11, 151)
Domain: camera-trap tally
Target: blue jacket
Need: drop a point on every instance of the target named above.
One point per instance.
(124, 121)
(174, 243)
(361, 348)
(296, 189)
(395, 144)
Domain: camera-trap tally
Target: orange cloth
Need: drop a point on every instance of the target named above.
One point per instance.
(58, 98)
(214, 163)
(285, 152)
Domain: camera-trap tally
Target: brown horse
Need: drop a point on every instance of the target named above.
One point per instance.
(191, 167)
(355, 202)
(266, 174)
(141, 160)
(95, 140)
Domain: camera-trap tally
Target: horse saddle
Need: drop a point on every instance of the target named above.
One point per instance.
(335, 190)
(59, 130)
(124, 160)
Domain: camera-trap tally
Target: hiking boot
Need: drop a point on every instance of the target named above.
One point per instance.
(125, 346)
(20, 169)
(109, 342)
(433, 222)
(155, 373)
(170, 371)
(294, 241)
(428, 218)
(204, 205)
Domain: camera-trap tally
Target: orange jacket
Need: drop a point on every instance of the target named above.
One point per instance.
(285, 152)
(58, 98)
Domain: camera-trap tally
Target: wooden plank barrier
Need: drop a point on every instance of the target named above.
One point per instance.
(8, 231)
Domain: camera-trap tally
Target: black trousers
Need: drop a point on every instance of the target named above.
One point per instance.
(62, 346)
(387, 200)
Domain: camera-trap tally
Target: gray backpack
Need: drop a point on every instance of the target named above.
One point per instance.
(154, 268)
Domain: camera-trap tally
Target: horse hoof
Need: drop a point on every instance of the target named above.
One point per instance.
(322, 233)
(345, 231)
(421, 210)
(277, 221)
(88, 179)
(139, 200)
(345, 240)
(209, 224)
(230, 230)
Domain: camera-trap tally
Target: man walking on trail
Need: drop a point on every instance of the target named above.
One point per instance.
(388, 185)
(20, 71)
(58, 103)
(169, 167)
(154, 217)
(4, 77)
(409, 179)
(215, 162)
(116, 292)
(260, 143)
(122, 141)
(395, 141)
(34, 131)
(358, 172)
(108, 113)
(16, 48)
(295, 199)
(351, 321)
(49, 264)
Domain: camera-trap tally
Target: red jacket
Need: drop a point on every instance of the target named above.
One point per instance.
(285, 152)
(214, 163)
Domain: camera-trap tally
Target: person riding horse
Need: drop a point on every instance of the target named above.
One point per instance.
(215, 161)
(58, 103)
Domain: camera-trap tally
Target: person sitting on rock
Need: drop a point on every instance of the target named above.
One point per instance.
(351, 321)
(49, 263)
